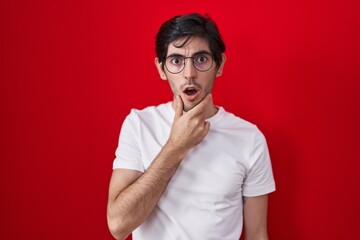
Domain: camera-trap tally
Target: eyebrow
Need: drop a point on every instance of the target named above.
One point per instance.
(194, 54)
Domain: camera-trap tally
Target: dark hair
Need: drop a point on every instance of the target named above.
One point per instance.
(189, 26)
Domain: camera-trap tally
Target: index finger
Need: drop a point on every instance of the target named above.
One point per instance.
(179, 107)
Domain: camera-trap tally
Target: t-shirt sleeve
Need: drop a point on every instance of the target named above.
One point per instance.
(128, 154)
(259, 179)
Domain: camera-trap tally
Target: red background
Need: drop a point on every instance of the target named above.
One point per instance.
(71, 71)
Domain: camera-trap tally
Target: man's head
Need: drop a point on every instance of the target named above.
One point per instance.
(187, 27)
(190, 55)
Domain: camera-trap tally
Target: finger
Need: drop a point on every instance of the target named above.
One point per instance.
(206, 127)
(179, 107)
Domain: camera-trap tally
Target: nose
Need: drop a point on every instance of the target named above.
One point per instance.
(189, 69)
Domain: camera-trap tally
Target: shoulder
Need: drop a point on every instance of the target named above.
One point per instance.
(231, 120)
(234, 125)
(150, 112)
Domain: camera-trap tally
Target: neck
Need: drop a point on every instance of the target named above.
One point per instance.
(210, 111)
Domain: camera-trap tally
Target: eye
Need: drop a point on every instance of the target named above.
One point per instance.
(176, 60)
(201, 58)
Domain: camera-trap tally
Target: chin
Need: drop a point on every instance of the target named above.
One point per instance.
(188, 107)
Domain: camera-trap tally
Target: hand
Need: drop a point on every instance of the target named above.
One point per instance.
(189, 128)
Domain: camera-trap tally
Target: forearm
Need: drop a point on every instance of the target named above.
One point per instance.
(255, 217)
(136, 202)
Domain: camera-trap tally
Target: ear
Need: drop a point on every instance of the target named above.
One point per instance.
(221, 67)
(160, 69)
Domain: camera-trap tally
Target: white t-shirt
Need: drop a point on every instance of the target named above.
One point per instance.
(203, 200)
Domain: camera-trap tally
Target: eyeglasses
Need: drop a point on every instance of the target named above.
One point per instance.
(176, 63)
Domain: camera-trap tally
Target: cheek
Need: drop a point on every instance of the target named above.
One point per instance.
(209, 85)
(173, 87)
(209, 88)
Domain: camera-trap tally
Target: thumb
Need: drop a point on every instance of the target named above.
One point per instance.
(206, 127)
(179, 107)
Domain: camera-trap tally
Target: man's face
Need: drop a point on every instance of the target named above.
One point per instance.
(191, 84)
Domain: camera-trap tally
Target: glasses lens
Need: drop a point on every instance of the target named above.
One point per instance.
(175, 64)
(203, 62)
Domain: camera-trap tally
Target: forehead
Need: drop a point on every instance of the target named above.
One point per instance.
(194, 45)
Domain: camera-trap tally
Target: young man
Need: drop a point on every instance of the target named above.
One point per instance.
(187, 169)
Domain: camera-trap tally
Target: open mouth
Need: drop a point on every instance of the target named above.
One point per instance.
(190, 91)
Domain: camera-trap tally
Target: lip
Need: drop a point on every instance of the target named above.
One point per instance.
(191, 97)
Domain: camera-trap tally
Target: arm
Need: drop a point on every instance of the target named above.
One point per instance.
(133, 195)
(255, 217)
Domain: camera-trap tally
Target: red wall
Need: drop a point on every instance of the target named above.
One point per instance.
(71, 71)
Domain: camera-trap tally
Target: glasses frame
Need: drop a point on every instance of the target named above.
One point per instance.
(193, 62)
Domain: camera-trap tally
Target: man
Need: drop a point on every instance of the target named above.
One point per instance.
(187, 169)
